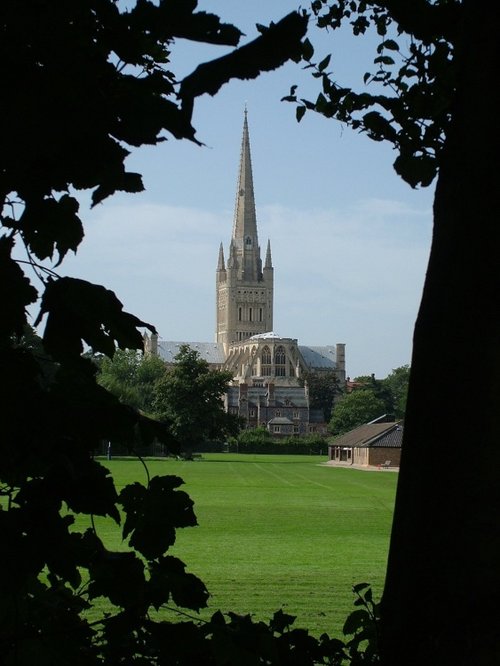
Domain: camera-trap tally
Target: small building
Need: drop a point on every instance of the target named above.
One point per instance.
(376, 443)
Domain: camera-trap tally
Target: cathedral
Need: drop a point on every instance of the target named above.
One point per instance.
(268, 388)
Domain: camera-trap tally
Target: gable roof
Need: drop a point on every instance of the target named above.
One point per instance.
(379, 435)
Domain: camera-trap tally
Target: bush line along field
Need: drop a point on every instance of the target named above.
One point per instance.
(277, 532)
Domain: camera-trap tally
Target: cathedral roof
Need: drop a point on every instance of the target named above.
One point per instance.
(270, 335)
(320, 358)
(212, 352)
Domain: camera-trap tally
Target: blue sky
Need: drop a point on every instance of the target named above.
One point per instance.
(350, 240)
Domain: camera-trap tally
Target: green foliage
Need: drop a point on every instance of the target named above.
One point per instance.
(132, 377)
(254, 437)
(260, 440)
(413, 81)
(355, 409)
(379, 389)
(189, 397)
(323, 389)
(392, 390)
(397, 384)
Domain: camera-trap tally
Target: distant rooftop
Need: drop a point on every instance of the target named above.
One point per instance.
(212, 352)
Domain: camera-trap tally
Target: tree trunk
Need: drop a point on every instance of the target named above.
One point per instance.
(440, 604)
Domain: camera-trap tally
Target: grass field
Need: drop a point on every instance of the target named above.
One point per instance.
(278, 532)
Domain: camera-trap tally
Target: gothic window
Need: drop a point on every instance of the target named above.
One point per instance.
(280, 361)
(277, 412)
(251, 412)
(295, 430)
(265, 361)
(239, 314)
(296, 415)
(249, 314)
(248, 240)
(279, 356)
(260, 314)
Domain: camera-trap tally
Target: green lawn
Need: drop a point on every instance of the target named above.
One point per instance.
(279, 532)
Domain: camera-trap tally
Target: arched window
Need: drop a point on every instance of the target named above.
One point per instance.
(280, 361)
(266, 362)
(248, 240)
(279, 355)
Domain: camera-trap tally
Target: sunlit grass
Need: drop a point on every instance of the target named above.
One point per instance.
(278, 532)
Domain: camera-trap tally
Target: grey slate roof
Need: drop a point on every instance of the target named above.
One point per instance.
(319, 357)
(379, 435)
(315, 357)
(212, 352)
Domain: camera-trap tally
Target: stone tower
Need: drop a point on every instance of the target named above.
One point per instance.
(244, 288)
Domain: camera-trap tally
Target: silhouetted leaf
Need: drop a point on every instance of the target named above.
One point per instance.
(416, 170)
(169, 580)
(16, 292)
(80, 311)
(119, 577)
(153, 514)
(48, 225)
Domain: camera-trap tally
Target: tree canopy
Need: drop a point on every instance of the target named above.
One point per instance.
(132, 377)
(190, 397)
(355, 409)
(323, 389)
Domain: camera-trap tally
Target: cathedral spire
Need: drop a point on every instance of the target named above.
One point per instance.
(269, 261)
(245, 287)
(245, 236)
(220, 264)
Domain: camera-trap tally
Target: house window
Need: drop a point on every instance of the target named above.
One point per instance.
(296, 415)
(276, 428)
(295, 430)
(277, 412)
(251, 412)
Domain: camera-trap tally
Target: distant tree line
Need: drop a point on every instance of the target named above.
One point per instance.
(370, 398)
